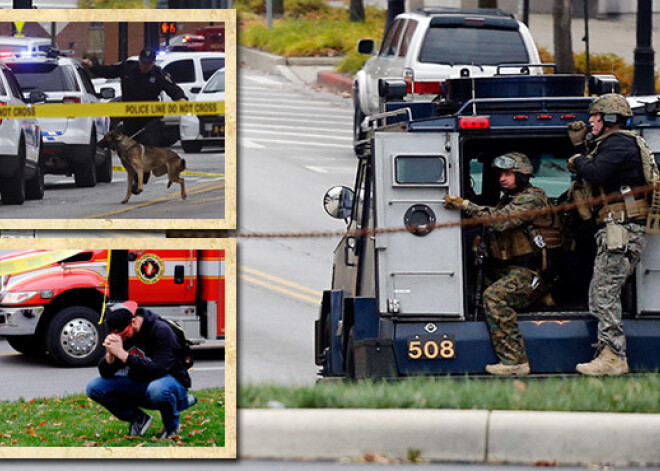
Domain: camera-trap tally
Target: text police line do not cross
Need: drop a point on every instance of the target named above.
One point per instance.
(113, 110)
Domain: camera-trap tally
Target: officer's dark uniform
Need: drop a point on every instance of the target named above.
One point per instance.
(137, 86)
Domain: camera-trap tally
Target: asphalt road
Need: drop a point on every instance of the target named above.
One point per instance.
(205, 188)
(294, 145)
(34, 377)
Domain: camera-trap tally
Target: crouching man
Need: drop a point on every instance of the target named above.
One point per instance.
(142, 368)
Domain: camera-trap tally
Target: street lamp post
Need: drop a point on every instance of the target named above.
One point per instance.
(643, 81)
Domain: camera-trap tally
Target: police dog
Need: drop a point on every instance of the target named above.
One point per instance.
(138, 159)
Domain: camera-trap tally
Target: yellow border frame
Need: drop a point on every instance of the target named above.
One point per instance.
(228, 17)
(229, 450)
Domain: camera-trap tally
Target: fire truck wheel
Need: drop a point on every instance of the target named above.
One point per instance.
(26, 344)
(75, 338)
(350, 354)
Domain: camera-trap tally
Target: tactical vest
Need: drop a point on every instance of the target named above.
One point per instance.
(639, 208)
(535, 237)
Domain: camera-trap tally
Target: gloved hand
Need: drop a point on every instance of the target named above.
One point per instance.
(571, 163)
(455, 202)
(576, 132)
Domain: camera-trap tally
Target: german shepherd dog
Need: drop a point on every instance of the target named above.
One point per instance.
(139, 159)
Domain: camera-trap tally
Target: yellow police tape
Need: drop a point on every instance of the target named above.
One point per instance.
(33, 261)
(112, 110)
(117, 168)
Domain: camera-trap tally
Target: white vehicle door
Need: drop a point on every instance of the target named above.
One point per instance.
(418, 275)
(379, 67)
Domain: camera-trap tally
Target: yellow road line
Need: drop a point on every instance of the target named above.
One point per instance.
(118, 168)
(280, 280)
(277, 289)
(203, 188)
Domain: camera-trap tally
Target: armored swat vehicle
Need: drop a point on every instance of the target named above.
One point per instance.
(406, 283)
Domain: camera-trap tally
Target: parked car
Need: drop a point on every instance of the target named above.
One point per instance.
(199, 131)
(21, 162)
(69, 143)
(427, 46)
(11, 46)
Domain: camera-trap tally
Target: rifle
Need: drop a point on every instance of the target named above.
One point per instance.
(481, 254)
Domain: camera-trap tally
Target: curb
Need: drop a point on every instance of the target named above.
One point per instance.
(475, 436)
(335, 81)
(279, 65)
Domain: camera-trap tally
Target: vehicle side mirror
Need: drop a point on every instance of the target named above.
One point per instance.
(195, 89)
(37, 97)
(338, 202)
(107, 93)
(366, 46)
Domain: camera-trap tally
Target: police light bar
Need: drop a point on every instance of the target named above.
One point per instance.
(474, 122)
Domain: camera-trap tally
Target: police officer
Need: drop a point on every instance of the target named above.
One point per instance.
(140, 81)
(612, 168)
(522, 231)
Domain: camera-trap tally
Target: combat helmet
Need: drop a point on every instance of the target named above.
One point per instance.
(611, 103)
(516, 162)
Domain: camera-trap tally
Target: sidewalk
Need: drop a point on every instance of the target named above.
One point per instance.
(474, 436)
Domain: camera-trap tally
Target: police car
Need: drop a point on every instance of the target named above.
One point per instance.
(199, 131)
(21, 164)
(69, 142)
(11, 45)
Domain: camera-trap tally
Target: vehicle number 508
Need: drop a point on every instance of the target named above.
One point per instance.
(431, 348)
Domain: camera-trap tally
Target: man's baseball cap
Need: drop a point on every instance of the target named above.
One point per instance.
(147, 55)
(119, 315)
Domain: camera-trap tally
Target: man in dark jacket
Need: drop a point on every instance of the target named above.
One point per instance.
(140, 81)
(142, 368)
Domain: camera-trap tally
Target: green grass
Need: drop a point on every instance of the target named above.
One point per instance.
(77, 421)
(636, 393)
(322, 32)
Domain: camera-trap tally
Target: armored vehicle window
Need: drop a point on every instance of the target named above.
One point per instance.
(486, 46)
(415, 169)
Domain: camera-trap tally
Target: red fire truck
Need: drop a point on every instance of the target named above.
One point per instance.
(52, 301)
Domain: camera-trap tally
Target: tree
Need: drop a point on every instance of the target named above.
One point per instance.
(563, 43)
(278, 7)
(357, 11)
(487, 4)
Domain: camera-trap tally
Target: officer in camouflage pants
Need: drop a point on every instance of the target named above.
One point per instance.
(517, 262)
(614, 163)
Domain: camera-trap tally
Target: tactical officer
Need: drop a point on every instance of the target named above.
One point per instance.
(616, 163)
(522, 231)
(140, 81)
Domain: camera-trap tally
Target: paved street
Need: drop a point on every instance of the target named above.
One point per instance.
(294, 145)
(63, 200)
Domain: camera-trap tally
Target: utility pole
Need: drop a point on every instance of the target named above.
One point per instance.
(643, 81)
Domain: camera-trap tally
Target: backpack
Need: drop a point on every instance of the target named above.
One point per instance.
(185, 353)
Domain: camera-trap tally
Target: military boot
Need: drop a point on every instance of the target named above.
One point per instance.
(500, 369)
(607, 363)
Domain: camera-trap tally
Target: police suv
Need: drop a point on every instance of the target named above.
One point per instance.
(69, 142)
(404, 297)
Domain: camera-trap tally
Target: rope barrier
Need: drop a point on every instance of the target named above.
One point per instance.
(464, 222)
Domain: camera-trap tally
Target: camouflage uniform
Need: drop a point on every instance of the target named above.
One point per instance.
(613, 161)
(516, 287)
(611, 270)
